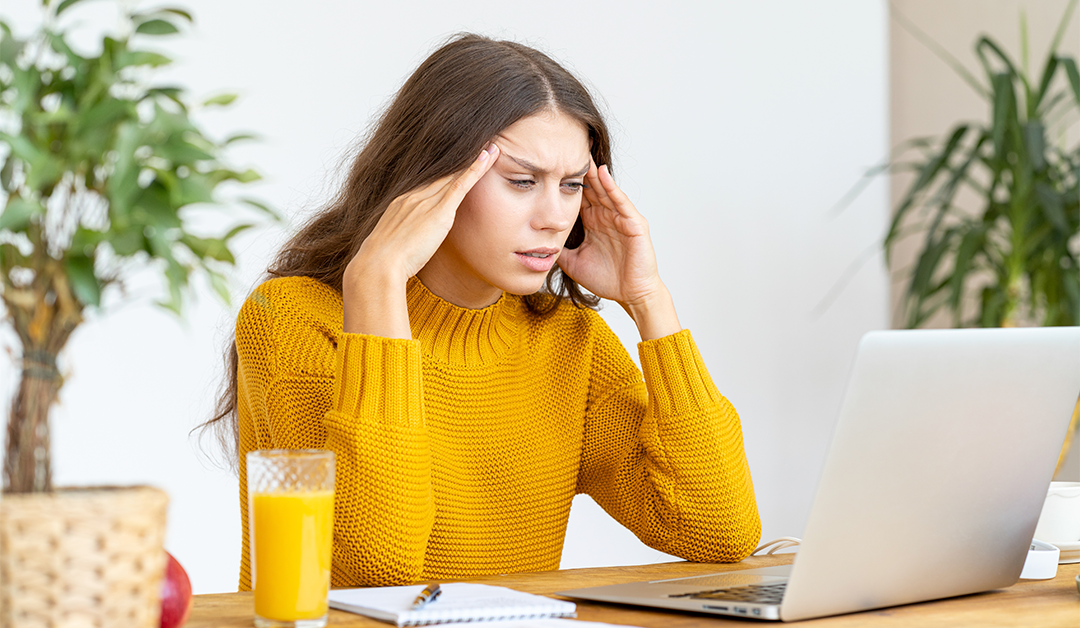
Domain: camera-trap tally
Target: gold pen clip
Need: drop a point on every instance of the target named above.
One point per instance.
(427, 596)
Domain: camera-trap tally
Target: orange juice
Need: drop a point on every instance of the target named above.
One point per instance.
(291, 537)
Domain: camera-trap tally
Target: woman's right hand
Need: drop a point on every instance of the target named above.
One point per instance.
(409, 232)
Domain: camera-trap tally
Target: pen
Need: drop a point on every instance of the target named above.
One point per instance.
(426, 596)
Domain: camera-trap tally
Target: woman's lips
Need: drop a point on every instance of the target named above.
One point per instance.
(538, 260)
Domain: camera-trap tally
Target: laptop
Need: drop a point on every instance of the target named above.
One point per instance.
(940, 461)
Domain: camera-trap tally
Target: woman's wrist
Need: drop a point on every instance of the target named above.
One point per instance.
(374, 302)
(654, 315)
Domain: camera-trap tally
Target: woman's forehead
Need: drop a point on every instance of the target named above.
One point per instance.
(546, 143)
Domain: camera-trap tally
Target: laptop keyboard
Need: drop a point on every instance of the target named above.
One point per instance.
(754, 593)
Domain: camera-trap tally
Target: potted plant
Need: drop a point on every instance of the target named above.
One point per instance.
(101, 173)
(1017, 254)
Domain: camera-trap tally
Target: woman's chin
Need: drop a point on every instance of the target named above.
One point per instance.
(524, 285)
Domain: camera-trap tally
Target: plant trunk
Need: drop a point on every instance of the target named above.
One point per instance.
(27, 466)
(44, 315)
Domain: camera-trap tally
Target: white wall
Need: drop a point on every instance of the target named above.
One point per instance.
(737, 127)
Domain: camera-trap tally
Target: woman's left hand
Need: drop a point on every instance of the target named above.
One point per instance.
(616, 260)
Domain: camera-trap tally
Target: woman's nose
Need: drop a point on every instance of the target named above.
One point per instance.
(556, 211)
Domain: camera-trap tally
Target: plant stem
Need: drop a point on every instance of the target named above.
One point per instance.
(44, 318)
(27, 466)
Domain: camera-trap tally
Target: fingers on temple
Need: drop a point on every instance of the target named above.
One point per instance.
(463, 182)
(594, 188)
(606, 193)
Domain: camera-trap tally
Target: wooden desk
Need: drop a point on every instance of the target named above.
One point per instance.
(1045, 603)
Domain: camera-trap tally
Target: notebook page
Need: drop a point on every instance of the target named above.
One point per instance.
(458, 602)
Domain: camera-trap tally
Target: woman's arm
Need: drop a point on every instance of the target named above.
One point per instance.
(664, 455)
(383, 511)
(369, 413)
(616, 260)
(407, 235)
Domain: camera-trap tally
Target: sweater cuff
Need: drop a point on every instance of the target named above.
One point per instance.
(675, 374)
(378, 378)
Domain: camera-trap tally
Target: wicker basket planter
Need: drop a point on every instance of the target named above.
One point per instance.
(82, 557)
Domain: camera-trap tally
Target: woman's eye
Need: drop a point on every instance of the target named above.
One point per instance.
(574, 186)
(524, 184)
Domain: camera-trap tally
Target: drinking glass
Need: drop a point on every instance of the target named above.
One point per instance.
(290, 524)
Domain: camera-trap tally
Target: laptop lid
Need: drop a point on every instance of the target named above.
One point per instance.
(933, 484)
(939, 464)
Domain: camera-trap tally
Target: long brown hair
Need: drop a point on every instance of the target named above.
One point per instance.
(458, 100)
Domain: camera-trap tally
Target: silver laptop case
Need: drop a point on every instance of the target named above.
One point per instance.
(933, 484)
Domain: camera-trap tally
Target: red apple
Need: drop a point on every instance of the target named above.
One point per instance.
(176, 598)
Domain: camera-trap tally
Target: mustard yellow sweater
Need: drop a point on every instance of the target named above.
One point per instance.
(459, 452)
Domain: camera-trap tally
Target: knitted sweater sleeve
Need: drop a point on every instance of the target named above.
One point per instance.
(664, 455)
(383, 510)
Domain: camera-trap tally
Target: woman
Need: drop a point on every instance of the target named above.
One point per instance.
(428, 327)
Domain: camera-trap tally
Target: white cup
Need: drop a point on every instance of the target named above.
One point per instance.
(1060, 518)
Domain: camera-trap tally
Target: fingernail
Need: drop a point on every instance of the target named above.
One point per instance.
(491, 148)
(483, 155)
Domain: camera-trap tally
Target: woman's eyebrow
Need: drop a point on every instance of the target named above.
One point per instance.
(531, 167)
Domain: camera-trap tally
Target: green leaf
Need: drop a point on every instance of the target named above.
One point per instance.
(10, 257)
(27, 83)
(970, 243)
(239, 137)
(84, 283)
(123, 185)
(212, 248)
(172, 93)
(105, 115)
(220, 286)
(1004, 109)
(1072, 292)
(1044, 84)
(928, 263)
(22, 148)
(56, 40)
(1053, 101)
(6, 173)
(927, 173)
(1035, 143)
(10, 48)
(134, 58)
(177, 277)
(85, 241)
(1053, 207)
(238, 229)
(63, 6)
(263, 207)
(947, 191)
(247, 176)
(993, 306)
(1074, 76)
(980, 49)
(194, 188)
(181, 152)
(153, 208)
(157, 27)
(182, 13)
(936, 48)
(127, 242)
(220, 100)
(18, 214)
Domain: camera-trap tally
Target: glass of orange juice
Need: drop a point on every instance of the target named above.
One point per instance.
(290, 524)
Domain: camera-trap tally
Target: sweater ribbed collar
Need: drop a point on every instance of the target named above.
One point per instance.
(459, 336)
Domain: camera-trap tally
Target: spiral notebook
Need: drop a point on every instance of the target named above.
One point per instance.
(459, 602)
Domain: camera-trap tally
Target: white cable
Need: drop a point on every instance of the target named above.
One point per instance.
(780, 543)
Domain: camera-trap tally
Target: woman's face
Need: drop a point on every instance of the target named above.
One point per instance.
(511, 227)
